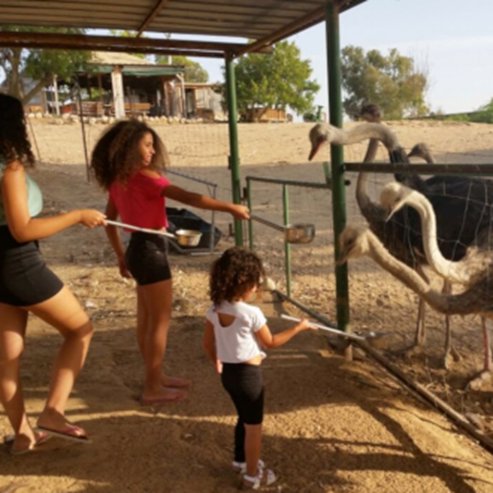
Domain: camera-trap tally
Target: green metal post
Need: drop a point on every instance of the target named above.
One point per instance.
(337, 159)
(234, 160)
(287, 246)
(249, 204)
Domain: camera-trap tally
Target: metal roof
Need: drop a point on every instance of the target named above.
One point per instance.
(259, 22)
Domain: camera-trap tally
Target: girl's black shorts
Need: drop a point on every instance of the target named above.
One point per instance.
(245, 385)
(146, 258)
(25, 279)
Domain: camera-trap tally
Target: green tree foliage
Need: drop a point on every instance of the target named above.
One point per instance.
(278, 80)
(41, 65)
(194, 72)
(390, 81)
(483, 115)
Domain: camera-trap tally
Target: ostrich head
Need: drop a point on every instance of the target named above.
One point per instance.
(421, 150)
(371, 113)
(353, 243)
(318, 136)
(395, 196)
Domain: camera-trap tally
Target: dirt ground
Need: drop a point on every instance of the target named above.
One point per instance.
(331, 425)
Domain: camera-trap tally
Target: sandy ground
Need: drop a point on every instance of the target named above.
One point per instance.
(331, 424)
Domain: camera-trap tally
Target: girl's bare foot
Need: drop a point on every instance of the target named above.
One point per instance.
(175, 382)
(167, 394)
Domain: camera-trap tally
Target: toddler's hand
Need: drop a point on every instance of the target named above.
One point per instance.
(305, 324)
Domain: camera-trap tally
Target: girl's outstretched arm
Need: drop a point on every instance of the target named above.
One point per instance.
(26, 228)
(269, 340)
(205, 202)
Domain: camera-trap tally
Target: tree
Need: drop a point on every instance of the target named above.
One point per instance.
(392, 82)
(278, 80)
(41, 65)
(194, 72)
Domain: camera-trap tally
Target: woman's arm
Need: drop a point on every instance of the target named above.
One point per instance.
(205, 202)
(26, 228)
(269, 340)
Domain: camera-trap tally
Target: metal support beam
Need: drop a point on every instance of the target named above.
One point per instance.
(234, 158)
(337, 159)
(24, 39)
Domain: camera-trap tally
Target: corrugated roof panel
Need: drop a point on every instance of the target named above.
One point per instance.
(263, 20)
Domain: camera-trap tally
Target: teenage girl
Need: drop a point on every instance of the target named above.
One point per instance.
(235, 333)
(28, 285)
(128, 162)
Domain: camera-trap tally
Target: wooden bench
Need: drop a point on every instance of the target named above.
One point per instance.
(137, 109)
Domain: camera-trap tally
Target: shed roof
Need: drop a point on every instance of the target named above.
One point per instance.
(259, 22)
(104, 63)
(117, 58)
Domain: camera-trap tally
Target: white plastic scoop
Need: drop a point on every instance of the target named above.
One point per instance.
(328, 329)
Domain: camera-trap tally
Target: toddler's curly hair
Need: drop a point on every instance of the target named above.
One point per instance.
(116, 154)
(233, 274)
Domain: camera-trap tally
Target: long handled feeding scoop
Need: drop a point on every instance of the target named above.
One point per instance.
(293, 233)
(328, 329)
(184, 237)
(142, 230)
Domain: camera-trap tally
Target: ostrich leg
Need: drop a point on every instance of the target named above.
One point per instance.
(449, 350)
(484, 376)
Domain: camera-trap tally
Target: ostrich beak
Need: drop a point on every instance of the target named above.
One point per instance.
(315, 148)
(395, 208)
(341, 260)
(342, 256)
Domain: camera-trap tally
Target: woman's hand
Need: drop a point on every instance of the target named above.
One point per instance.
(92, 218)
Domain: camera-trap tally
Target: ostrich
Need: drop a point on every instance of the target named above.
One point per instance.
(476, 299)
(399, 235)
(446, 193)
(472, 268)
(392, 234)
(421, 150)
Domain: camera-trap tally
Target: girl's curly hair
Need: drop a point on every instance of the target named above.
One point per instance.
(116, 154)
(14, 144)
(233, 274)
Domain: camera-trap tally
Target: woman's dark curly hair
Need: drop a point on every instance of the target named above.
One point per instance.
(14, 144)
(233, 274)
(116, 154)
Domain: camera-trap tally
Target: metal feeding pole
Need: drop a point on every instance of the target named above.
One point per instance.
(76, 88)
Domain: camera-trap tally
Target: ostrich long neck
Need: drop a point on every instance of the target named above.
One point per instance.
(464, 303)
(364, 131)
(362, 196)
(452, 271)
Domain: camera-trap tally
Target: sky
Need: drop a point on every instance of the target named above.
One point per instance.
(451, 40)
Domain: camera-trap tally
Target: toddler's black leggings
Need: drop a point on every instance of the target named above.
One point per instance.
(245, 385)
